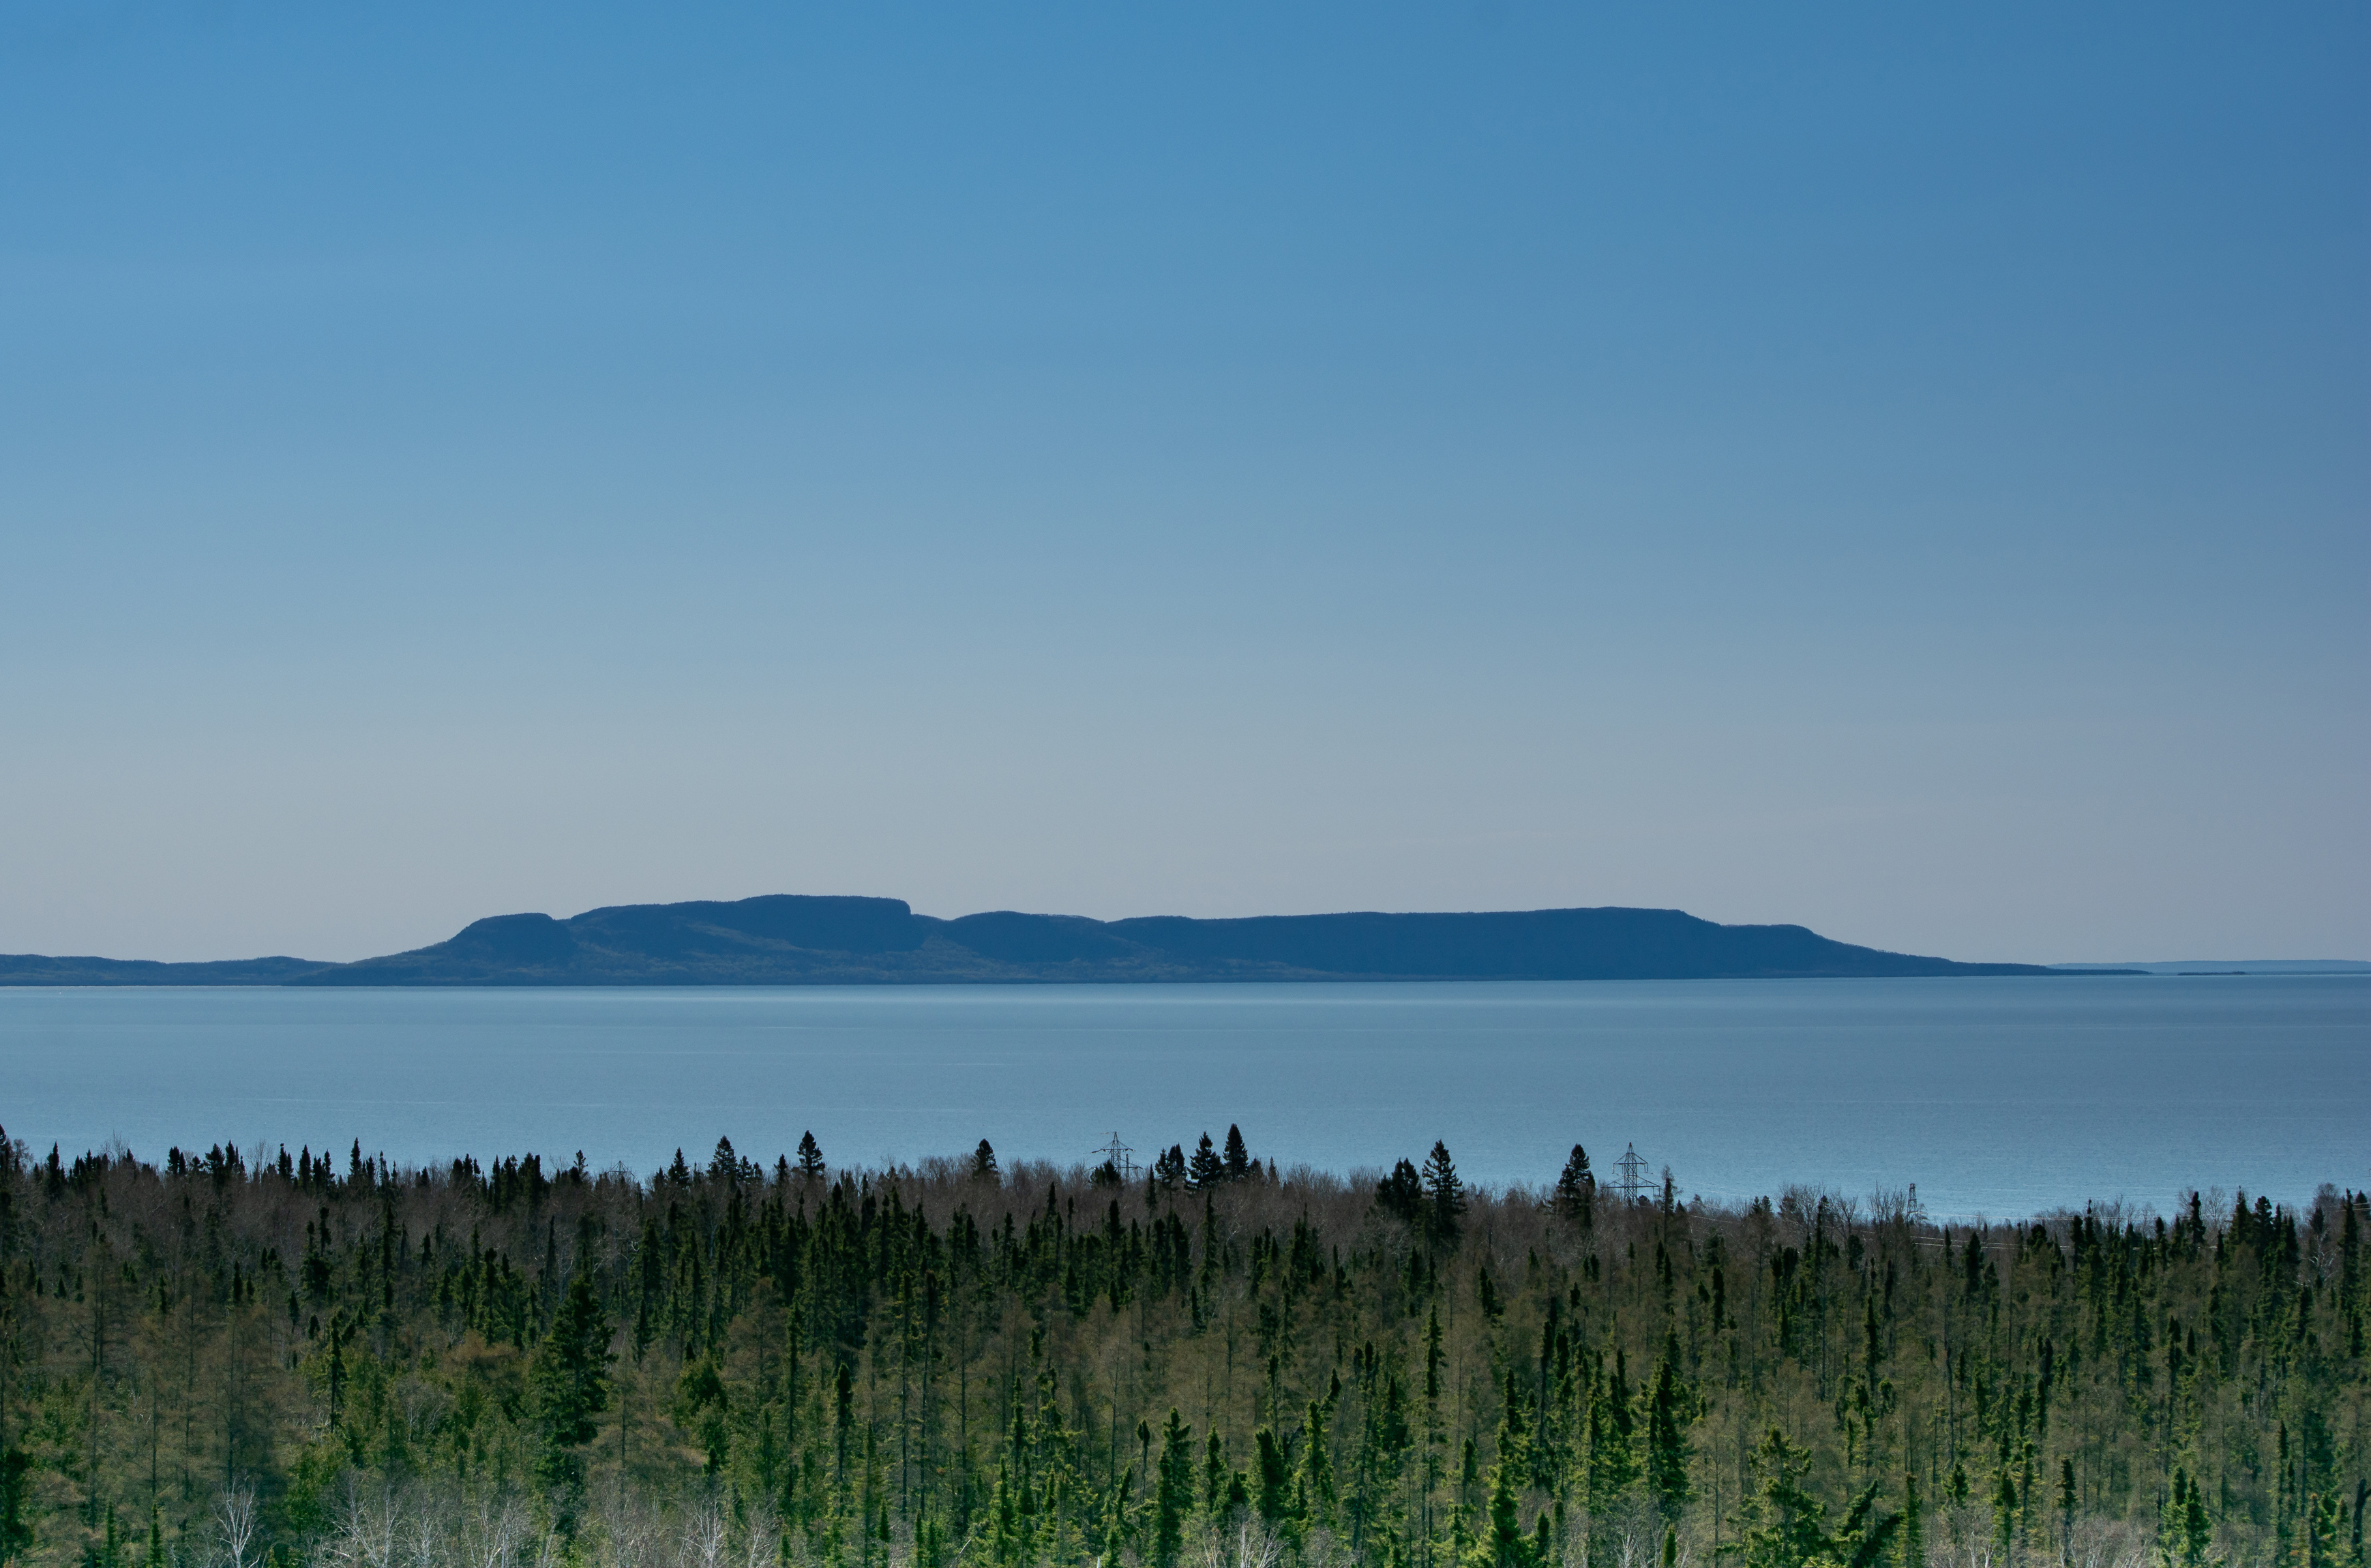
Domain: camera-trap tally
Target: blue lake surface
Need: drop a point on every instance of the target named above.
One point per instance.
(2002, 1096)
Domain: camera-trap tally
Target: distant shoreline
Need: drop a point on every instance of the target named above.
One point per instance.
(786, 939)
(2204, 966)
(794, 940)
(11, 983)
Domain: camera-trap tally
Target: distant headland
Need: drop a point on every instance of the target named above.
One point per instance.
(787, 939)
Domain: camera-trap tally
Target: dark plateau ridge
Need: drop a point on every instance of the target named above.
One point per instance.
(785, 940)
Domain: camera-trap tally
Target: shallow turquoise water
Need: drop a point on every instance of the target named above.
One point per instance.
(2002, 1096)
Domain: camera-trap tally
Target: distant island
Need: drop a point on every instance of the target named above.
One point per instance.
(787, 939)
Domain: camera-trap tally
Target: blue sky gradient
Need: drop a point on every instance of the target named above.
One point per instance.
(1896, 471)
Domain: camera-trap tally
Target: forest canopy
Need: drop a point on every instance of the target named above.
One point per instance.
(251, 1358)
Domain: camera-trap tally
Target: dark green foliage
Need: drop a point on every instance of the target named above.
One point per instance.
(2187, 1534)
(1667, 1415)
(1173, 1495)
(1206, 1169)
(938, 1367)
(15, 1509)
(1614, 1465)
(569, 1381)
(1272, 1480)
(1317, 1498)
(1576, 1190)
(1238, 1159)
(1503, 1542)
(1790, 1528)
(1444, 1193)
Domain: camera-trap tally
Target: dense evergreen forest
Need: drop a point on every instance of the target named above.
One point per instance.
(249, 1360)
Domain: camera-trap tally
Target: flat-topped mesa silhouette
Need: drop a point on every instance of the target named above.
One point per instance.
(788, 939)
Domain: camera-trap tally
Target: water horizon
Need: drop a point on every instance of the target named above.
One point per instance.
(1997, 1097)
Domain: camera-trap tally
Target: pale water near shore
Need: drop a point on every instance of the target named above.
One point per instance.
(2003, 1097)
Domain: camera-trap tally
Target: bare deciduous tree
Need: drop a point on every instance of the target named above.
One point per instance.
(705, 1537)
(235, 1515)
(1252, 1547)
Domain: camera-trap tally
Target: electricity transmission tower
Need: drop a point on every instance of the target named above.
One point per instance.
(1116, 1155)
(1633, 1171)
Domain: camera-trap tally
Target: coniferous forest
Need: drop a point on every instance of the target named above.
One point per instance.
(248, 1360)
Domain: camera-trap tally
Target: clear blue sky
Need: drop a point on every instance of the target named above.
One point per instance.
(1900, 469)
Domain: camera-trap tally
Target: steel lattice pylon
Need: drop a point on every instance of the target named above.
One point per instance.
(1116, 1155)
(1632, 1168)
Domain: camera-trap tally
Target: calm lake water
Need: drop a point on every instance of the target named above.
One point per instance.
(2002, 1096)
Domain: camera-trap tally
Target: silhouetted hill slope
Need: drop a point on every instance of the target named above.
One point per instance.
(785, 940)
(33, 969)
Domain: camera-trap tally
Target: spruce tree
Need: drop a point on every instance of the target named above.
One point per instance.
(1316, 1482)
(2004, 1512)
(983, 1161)
(1500, 1542)
(568, 1384)
(1576, 1190)
(2067, 1499)
(810, 1157)
(2323, 1517)
(1612, 1456)
(1790, 1528)
(15, 1499)
(1205, 1170)
(1273, 1481)
(1238, 1158)
(2191, 1534)
(1667, 1441)
(1444, 1194)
